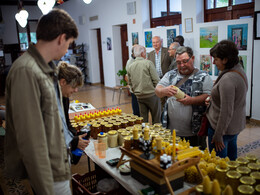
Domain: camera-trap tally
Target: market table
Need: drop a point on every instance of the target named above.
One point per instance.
(129, 183)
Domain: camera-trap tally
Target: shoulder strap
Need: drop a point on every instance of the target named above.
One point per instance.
(184, 79)
(240, 75)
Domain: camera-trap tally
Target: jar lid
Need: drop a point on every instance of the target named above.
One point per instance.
(233, 174)
(102, 134)
(120, 130)
(242, 160)
(125, 133)
(257, 188)
(255, 175)
(253, 166)
(245, 189)
(247, 180)
(158, 124)
(251, 157)
(112, 132)
(96, 125)
(232, 164)
(132, 120)
(108, 125)
(127, 138)
(129, 128)
(124, 121)
(199, 188)
(243, 170)
(221, 169)
(140, 118)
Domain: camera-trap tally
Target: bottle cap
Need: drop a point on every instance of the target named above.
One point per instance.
(101, 133)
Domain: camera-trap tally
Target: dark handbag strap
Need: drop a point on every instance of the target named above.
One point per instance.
(185, 78)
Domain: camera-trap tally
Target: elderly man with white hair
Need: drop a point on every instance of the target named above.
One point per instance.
(143, 78)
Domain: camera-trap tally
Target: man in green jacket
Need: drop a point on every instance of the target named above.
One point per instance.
(143, 78)
(34, 144)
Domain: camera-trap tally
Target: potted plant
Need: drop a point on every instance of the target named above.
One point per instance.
(123, 74)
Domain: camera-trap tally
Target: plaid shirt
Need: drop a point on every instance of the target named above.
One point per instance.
(196, 90)
(158, 63)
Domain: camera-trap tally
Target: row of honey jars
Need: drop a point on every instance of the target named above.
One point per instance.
(110, 138)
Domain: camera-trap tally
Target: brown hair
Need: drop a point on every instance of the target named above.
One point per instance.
(55, 23)
(71, 74)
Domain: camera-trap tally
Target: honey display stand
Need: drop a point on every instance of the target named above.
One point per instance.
(153, 166)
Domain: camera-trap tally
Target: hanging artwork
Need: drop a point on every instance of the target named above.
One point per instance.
(238, 34)
(208, 36)
(243, 61)
(135, 39)
(148, 39)
(206, 63)
(171, 34)
(109, 43)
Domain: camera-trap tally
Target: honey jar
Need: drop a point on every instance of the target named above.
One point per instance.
(233, 180)
(245, 190)
(122, 137)
(253, 166)
(258, 161)
(232, 165)
(102, 137)
(117, 125)
(131, 122)
(221, 176)
(139, 120)
(244, 171)
(247, 180)
(242, 161)
(124, 123)
(108, 127)
(95, 130)
(257, 190)
(129, 128)
(103, 123)
(251, 158)
(256, 176)
(112, 139)
(127, 143)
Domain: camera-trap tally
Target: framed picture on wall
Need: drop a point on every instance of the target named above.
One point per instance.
(257, 25)
(188, 25)
(238, 34)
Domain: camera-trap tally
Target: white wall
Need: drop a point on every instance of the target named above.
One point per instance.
(256, 78)
(110, 13)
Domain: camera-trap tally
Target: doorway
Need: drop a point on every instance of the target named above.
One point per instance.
(124, 44)
(100, 56)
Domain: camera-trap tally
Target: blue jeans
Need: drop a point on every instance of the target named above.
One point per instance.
(230, 142)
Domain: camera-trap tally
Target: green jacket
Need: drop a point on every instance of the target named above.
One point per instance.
(34, 142)
(142, 78)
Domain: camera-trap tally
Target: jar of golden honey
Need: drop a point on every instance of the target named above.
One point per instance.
(95, 130)
(139, 120)
(124, 123)
(108, 127)
(102, 137)
(117, 125)
(131, 122)
(247, 180)
(258, 161)
(256, 176)
(251, 157)
(221, 176)
(245, 190)
(233, 180)
(244, 171)
(232, 165)
(122, 137)
(253, 166)
(127, 143)
(112, 139)
(257, 189)
(242, 161)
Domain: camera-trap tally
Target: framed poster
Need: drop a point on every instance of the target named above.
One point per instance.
(188, 25)
(257, 25)
(238, 34)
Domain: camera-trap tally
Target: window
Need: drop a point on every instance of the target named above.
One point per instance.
(165, 12)
(217, 10)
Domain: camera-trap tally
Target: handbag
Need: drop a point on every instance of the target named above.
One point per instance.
(204, 126)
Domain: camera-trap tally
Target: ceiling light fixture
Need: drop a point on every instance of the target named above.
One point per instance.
(22, 15)
(87, 1)
(46, 5)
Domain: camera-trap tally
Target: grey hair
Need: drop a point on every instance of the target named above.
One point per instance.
(138, 50)
(175, 45)
(183, 49)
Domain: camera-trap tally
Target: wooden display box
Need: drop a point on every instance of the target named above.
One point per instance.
(157, 182)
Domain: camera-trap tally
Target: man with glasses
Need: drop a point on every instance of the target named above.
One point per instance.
(172, 51)
(184, 115)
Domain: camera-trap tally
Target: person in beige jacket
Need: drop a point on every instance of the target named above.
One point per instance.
(142, 78)
(35, 147)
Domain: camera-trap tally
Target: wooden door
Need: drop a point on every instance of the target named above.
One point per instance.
(100, 56)
(124, 45)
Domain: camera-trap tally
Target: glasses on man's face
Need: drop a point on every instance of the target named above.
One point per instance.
(183, 61)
